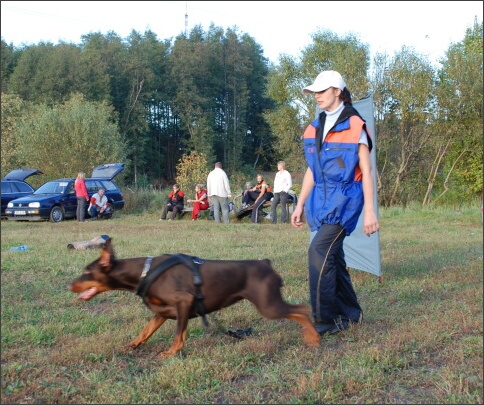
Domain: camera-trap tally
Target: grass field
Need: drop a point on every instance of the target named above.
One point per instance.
(420, 342)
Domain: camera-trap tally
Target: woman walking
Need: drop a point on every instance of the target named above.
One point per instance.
(337, 186)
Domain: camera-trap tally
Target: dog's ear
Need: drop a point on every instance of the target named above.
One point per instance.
(109, 243)
(107, 256)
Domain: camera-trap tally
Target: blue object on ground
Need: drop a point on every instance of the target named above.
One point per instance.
(23, 247)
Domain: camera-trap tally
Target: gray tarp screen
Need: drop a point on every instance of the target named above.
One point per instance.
(363, 252)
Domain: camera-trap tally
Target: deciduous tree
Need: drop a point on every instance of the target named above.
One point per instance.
(64, 139)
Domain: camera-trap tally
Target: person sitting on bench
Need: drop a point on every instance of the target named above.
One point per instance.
(257, 196)
(246, 199)
(174, 203)
(200, 202)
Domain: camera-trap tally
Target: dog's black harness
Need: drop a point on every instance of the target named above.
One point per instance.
(148, 276)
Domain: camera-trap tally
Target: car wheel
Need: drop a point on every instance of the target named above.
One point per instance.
(57, 214)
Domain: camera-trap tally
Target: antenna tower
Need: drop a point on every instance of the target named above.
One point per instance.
(186, 21)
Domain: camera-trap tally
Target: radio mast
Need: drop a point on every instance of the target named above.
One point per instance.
(186, 20)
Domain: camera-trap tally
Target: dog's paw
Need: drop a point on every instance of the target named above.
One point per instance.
(166, 354)
(131, 346)
(311, 337)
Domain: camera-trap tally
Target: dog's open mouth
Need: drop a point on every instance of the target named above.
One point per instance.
(88, 294)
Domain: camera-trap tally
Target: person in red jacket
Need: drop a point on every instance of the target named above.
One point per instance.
(200, 202)
(81, 196)
(175, 203)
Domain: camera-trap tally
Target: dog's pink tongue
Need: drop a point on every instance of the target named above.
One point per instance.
(88, 294)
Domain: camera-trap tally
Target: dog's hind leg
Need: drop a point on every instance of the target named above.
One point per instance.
(298, 313)
(266, 296)
(310, 335)
(147, 331)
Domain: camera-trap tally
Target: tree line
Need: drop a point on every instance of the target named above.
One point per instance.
(153, 103)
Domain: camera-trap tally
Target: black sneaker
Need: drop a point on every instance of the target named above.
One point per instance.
(340, 326)
(323, 328)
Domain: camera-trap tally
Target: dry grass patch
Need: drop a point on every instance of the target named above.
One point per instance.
(420, 341)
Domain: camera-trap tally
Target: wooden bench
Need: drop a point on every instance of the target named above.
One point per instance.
(291, 205)
(248, 211)
(188, 208)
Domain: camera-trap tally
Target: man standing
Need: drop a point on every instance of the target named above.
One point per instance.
(218, 190)
(282, 185)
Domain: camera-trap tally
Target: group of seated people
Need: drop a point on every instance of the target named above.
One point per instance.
(253, 197)
(175, 203)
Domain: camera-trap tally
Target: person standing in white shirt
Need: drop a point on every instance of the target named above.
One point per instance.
(282, 185)
(218, 190)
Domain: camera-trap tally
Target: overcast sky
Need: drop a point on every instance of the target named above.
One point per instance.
(279, 27)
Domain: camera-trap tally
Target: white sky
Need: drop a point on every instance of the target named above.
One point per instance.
(279, 27)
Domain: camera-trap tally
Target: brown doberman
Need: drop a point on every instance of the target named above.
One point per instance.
(182, 287)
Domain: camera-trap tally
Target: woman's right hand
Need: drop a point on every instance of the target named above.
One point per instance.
(296, 217)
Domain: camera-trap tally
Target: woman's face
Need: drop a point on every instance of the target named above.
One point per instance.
(197, 189)
(328, 99)
(259, 179)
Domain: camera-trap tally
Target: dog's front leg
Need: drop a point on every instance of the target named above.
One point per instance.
(181, 331)
(147, 331)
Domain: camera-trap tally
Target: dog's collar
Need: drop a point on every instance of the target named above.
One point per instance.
(147, 266)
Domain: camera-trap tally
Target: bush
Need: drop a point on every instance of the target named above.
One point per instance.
(139, 200)
(191, 170)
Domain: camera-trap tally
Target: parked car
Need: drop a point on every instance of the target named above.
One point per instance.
(56, 199)
(14, 185)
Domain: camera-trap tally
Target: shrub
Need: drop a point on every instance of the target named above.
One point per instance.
(138, 200)
(191, 170)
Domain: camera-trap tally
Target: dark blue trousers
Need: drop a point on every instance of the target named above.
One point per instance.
(331, 290)
(257, 211)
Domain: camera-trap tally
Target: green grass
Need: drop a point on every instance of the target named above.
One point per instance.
(420, 342)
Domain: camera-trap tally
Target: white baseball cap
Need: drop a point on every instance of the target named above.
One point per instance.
(325, 80)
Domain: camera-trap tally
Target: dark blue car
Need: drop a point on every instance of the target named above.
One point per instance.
(14, 185)
(56, 199)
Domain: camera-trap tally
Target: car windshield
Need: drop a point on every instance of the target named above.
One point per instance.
(53, 187)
